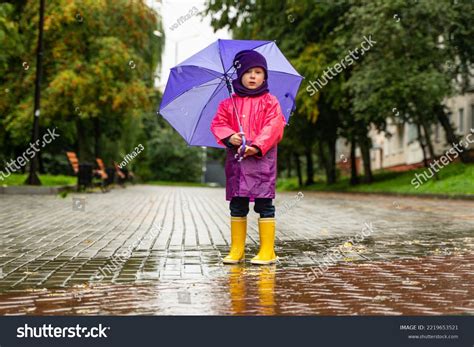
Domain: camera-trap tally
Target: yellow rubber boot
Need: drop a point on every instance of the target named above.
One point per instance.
(238, 232)
(266, 255)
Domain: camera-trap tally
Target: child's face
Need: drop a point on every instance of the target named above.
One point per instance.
(253, 78)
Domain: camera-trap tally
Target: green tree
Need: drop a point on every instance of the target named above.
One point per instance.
(422, 49)
(98, 83)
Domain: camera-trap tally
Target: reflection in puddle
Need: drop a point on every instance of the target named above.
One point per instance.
(240, 286)
(431, 285)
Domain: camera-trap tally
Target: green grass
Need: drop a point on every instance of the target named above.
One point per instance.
(454, 179)
(61, 180)
(46, 180)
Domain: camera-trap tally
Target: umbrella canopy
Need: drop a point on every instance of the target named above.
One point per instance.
(197, 86)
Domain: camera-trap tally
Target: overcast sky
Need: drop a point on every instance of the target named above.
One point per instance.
(189, 36)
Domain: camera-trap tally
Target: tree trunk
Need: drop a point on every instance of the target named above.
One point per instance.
(97, 147)
(429, 144)
(331, 161)
(309, 166)
(422, 145)
(81, 137)
(298, 169)
(326, 163)
(364, 144)
(288, 165)
(448, 129)
(322, 158)
(40, 163)
(354, 178)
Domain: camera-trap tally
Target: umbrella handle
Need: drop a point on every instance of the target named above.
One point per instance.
(244, 143)
(241, 150)
(240, 153)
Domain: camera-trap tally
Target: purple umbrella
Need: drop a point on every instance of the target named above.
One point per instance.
(197, 86)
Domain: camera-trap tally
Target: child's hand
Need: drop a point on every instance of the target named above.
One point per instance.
(250, 151)
(236, 139)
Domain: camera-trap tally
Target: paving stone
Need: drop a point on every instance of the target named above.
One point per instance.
(134, 249)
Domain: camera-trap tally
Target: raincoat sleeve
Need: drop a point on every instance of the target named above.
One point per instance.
(272, 131)
(220, 125)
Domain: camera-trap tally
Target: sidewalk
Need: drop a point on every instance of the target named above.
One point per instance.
(157, 249)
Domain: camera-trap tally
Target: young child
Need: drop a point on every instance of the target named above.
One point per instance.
(253, 178)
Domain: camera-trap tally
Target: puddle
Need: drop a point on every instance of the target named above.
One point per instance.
(430, 285)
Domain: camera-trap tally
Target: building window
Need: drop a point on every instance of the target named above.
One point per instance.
(461, 120)
(412, 133)
(400, 136)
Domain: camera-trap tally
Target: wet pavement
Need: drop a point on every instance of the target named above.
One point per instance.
(156, 250)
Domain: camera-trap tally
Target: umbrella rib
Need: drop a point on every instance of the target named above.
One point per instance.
(207, 103)
(187, 90)
(213, 94)
(207, 85)
(211, 72)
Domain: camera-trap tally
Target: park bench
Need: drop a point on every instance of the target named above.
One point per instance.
(86, 173)
(121, 176)
(104, 173)
(129, 176)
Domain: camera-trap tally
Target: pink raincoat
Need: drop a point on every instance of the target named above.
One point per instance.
(263, 123)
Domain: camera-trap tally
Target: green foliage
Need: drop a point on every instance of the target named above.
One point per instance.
(169, 158)
(99, 64)
(414, 63)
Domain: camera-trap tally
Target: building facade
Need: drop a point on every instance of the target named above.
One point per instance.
(401, 150)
